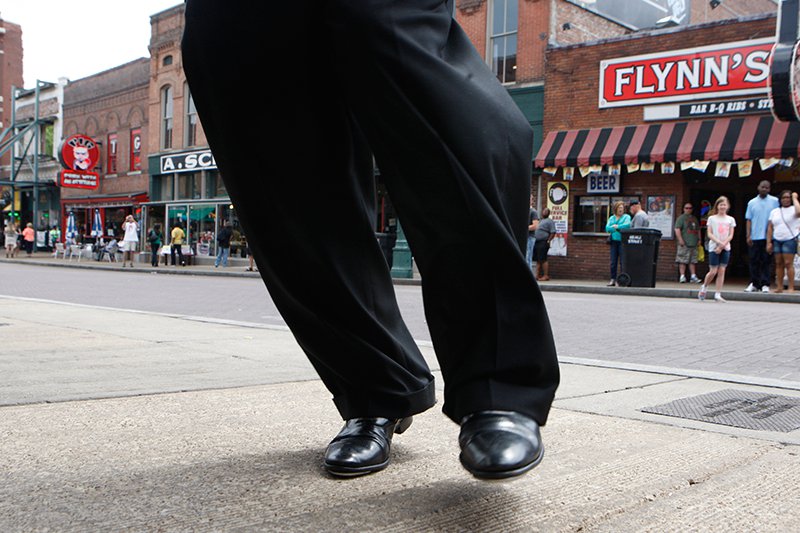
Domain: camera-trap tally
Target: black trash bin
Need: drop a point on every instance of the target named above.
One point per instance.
(639, 257)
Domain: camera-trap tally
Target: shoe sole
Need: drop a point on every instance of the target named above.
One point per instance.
(505, 474)
(355, 471)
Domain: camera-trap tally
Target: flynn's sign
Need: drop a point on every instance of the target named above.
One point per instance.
(721, 70)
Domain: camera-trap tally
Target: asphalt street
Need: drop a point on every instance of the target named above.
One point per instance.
(740, 341)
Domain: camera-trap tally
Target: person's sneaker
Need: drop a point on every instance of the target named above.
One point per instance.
(750, 288)
(702, 294)
(718, 298)
(682, 280)
(611, 283)
(695, 279)
(765, 288)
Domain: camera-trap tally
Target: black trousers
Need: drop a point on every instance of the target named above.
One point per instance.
(400, 80)
(760, 263)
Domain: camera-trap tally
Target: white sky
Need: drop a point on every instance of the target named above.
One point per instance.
(78, 39)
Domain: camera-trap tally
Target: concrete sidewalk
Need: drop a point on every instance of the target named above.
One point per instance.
(733, 290)
(128, 421)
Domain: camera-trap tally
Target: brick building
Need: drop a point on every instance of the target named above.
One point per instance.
(185, 186)
(10, 76)
(669, 117)
(111, 108)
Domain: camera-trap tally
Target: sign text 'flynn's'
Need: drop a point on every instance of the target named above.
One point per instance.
(727, 69)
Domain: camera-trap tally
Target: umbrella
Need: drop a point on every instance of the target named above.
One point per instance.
(72, 232)
(97, 225)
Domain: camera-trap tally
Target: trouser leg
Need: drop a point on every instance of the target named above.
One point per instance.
(306, 205)
(455, 153)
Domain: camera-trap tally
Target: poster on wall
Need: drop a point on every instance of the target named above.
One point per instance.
(558, 204)
(661, 214)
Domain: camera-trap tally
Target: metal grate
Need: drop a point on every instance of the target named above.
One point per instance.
(737, 408)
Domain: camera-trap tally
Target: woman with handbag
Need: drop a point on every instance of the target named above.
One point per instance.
(720, 234)
(783, 229)
(619, 220)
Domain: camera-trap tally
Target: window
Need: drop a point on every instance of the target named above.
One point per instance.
(111, 154)
(188, 186)
(167, 61)
(214, 186)
(47, 147)
(162, 187)
(503, 39)
(191, 119)
(592, 212)
(166, 117)
(136, 149)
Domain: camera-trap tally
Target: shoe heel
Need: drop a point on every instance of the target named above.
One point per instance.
(403, 424)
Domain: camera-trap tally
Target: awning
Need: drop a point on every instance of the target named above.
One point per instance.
(722, 139)
(86, 202)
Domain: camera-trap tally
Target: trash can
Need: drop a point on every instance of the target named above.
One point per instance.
(639, 257)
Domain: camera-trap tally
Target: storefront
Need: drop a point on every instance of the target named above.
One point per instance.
(667, 118)
(100, 216)
(186, 189)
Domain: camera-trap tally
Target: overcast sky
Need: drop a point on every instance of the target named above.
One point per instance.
(78, 39)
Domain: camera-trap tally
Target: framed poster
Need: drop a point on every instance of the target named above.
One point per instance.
(661, 214)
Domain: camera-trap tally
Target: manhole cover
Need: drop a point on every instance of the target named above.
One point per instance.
(741, 409)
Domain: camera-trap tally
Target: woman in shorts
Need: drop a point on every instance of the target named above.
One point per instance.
(720, 234)
(782, 231)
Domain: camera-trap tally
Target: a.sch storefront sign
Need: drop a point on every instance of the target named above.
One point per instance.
(79, 155)
(721, 70)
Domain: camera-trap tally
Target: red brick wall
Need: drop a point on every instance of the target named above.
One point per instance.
(571, 100)
(113, 101)
(572, 73)
(10, 72)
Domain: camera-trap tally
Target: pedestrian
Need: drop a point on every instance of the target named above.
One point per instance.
(783, 229)
(544, 234)
(618, 221)
(29, 236)
(756, 220)
(11, 235)
(687, 233)
(55, 236)
(720, 234)
(533, 223)
(130, 239)
(176, 244)
(223, 245)
(455, 152)
(251, 262)
(155, 238)
(638, 216)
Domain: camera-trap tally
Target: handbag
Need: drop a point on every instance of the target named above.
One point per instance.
(701, 253)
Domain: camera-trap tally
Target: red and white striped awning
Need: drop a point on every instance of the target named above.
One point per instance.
(722, 139)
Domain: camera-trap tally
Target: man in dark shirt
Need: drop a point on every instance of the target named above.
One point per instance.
(223, 245)
(543, 235)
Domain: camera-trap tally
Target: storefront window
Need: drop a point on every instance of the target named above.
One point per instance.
(156, 215)
(162, 187)
(114, 217)
(592, 212)
(176, 214)
(226, 213)
(202, 219)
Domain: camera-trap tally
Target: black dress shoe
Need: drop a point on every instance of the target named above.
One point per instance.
(499, 444)
(362, 446)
